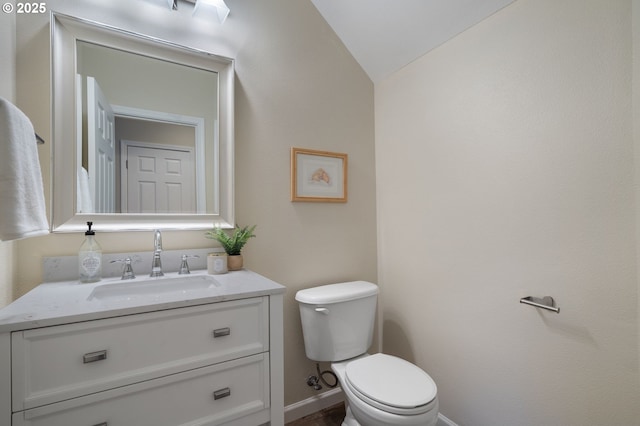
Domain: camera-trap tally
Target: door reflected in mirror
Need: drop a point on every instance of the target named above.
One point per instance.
(157, 167)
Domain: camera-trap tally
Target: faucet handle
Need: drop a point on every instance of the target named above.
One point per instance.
(184, 266)
(127, 270)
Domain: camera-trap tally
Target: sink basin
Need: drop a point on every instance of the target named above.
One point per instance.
(154, 288)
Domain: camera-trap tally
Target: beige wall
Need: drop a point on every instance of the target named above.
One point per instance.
(131, 129)
(505, 168)
(636, 138)
(296, 85)
(7, 55)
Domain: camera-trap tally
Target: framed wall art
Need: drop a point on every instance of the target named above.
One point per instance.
(318, 176)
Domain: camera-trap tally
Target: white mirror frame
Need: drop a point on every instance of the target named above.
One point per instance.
(65, 31)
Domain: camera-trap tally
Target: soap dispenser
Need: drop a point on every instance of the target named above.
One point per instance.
(90, 257)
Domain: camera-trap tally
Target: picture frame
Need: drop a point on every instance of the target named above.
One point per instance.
(318, 176)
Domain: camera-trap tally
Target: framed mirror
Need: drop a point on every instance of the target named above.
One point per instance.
(142, 131)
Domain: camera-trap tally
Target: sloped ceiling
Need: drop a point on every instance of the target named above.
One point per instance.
(385, 35)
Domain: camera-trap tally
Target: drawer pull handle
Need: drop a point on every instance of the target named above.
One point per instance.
(222, 393)
(221, 332)
(102, 424)
(93, 357)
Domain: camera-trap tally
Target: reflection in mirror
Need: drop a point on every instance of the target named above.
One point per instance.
(153, 129)
(158, 176)
(155, 170)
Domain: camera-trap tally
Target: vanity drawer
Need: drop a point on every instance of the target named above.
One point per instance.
(62, 362)
(205, 396)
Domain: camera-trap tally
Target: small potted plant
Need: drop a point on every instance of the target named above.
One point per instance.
(232, 243)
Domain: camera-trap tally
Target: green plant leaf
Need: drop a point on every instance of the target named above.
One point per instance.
(232, 244)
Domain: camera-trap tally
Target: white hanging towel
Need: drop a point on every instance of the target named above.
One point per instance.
(85, 203)
(22, 208)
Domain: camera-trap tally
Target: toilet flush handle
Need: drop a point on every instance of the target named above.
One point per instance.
(322, 311)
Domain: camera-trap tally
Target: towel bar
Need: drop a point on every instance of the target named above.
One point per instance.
(545, 303)
(39, 140)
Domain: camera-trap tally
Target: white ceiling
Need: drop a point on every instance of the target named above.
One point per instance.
(385, 35)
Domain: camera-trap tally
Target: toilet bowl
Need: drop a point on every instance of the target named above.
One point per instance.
(383, 390)
(380, 389)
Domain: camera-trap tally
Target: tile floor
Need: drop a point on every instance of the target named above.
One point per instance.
(331, 416)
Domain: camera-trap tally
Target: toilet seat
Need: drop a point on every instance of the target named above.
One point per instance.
(391, 384)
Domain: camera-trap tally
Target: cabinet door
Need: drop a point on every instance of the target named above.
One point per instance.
(57, 363)
(211, 395)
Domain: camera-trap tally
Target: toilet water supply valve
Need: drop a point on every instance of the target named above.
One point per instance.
(313, 381)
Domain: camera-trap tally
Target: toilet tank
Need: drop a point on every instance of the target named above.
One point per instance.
(337, 319)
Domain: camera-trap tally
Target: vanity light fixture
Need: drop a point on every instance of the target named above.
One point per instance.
(219, 7)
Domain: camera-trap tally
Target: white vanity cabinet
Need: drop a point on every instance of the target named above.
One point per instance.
(205, 361)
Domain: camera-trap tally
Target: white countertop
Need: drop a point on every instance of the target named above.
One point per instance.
(64, 302)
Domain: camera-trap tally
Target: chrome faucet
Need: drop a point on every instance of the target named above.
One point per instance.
(156, 265)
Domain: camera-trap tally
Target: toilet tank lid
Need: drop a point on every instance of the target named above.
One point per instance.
(335, 293)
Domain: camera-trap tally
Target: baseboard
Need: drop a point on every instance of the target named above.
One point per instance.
(311, 405)
(443, 421)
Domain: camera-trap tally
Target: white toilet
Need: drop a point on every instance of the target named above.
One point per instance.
(380, 390)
